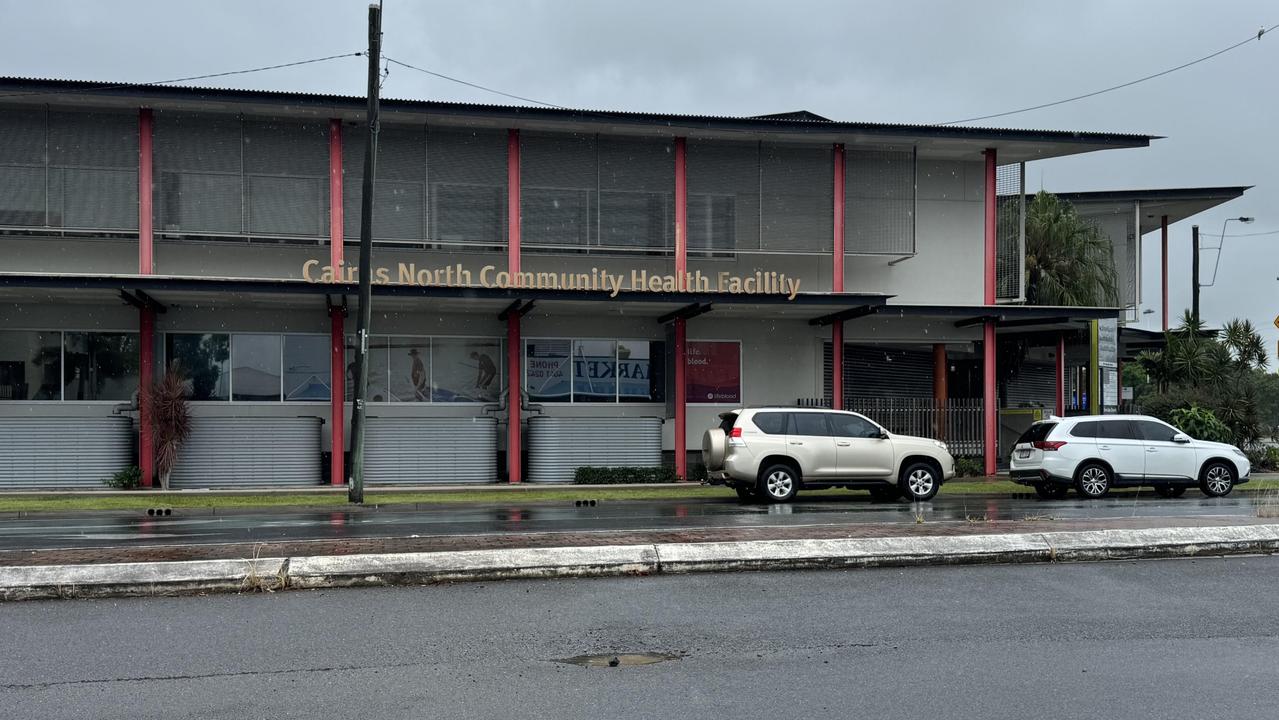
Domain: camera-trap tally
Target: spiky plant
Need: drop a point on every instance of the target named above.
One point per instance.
(1069, 261)
(170, 420)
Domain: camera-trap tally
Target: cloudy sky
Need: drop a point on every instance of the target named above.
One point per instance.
(885, 60)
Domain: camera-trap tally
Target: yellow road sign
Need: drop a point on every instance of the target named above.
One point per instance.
(1277, 321)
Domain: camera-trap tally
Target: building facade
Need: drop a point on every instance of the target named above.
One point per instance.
(552, 288)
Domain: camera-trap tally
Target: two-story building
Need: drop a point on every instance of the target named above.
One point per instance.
(553, 288)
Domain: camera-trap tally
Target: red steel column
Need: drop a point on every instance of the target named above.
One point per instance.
(1061, 376)
(514, 379)
(990, 415)
(146, 316)
(941, 390)
(681, 326)
(1163, 260)
(837, 284)
(337, 343)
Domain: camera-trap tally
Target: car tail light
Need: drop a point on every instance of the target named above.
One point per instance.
(735, 432)
(1048, 444)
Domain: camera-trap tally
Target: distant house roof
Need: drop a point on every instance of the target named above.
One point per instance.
(1012, 145)
(1176, 203)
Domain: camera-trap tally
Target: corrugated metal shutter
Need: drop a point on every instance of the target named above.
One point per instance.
(423, 451)
(559, 190)
(723, 195)
(797, 195)
(43, 453)
(879, 197)
(467, 174)
(1010, 186)
(637, 198)
(881, 372)
(1035, 384)
(246, 452)
(557, 446)
(399, 195)
(199, 183)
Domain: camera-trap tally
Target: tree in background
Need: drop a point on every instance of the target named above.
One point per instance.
(1220, 373)
(1069, 260)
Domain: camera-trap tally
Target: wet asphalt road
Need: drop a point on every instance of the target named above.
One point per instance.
(201, 527)
(1154, 639)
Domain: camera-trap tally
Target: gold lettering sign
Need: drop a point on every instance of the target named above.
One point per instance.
(596, 280)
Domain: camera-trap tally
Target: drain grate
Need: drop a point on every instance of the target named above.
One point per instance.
(159, 512)
(584, 503)
(618, 659)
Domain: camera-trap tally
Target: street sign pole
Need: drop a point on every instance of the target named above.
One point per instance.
(358, 411)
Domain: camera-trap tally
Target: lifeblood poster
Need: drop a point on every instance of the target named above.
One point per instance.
(714, 372)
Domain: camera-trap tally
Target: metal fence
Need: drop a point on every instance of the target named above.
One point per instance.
(958, 422)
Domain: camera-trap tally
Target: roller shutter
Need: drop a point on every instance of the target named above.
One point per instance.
(422, 451)
(63, 452)
(557, 446)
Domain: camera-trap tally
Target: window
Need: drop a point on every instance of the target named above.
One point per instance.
(728, 420)
(808, 423)
(99, 366)
(204, 359)
(306, 368)
(1040, 431)
(1156, 432)
(853, 426)
(640, 371)
(594, 371)
(466, 369)
(30, 365)
(1116, 430)
(773, 423)
(546, 370)
(1085, 430)
(410, 371)
(255, 367)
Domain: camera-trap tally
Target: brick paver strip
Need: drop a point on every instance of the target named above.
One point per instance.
(442, 543)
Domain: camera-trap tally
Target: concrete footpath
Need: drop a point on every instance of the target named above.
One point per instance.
(273, 573)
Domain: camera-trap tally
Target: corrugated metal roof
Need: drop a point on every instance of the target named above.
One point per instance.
(22, 87)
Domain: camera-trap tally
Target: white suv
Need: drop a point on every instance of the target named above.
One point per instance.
(1095, 453)
(772, 452)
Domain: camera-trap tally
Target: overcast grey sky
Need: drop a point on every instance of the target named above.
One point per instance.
(889, 60)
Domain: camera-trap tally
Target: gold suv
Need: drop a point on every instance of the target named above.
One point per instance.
(771, 452)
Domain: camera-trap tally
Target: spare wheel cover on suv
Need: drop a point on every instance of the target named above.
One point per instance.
(714, 446)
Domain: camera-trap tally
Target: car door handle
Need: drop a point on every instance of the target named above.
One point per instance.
(1103, 447)
(1152, 449)
(844, 444)
(796, 442)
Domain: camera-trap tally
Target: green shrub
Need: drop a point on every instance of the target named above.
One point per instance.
(1264, 459)
(127, 479)
(588, 475)
(1201, 423)
(969, 467)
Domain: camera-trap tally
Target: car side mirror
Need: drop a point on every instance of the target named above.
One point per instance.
(1181, 438)
(883, 435)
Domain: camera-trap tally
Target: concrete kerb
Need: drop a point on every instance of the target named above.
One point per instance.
(167, 578)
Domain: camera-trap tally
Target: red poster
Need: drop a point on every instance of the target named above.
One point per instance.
(714, 372)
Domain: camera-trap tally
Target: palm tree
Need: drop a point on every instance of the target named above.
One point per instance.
(1069, 261)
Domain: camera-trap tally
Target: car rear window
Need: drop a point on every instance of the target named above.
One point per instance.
(727, 421)
(773, 423)
(1036, 432)
(1085, 429)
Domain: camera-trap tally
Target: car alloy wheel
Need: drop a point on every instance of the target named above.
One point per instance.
(919, 482)
(1093, 482)
(778, 483)
(1217, 481)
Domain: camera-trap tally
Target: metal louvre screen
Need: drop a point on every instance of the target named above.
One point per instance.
(636, 192)
(466, 170)
(723, 195)
(399, 194)
(199, 183)
(885, 372)
(287, 167)
(558, 186)
(879, 202)
(797, 203)
(1130, 277)
(69, 169)
(1010, 239)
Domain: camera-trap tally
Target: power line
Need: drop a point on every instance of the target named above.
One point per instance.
(96, 88)
(1256, 234)
(471, 84)
(1130, 83)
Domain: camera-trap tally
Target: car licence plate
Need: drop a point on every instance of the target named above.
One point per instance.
(1023, 453)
